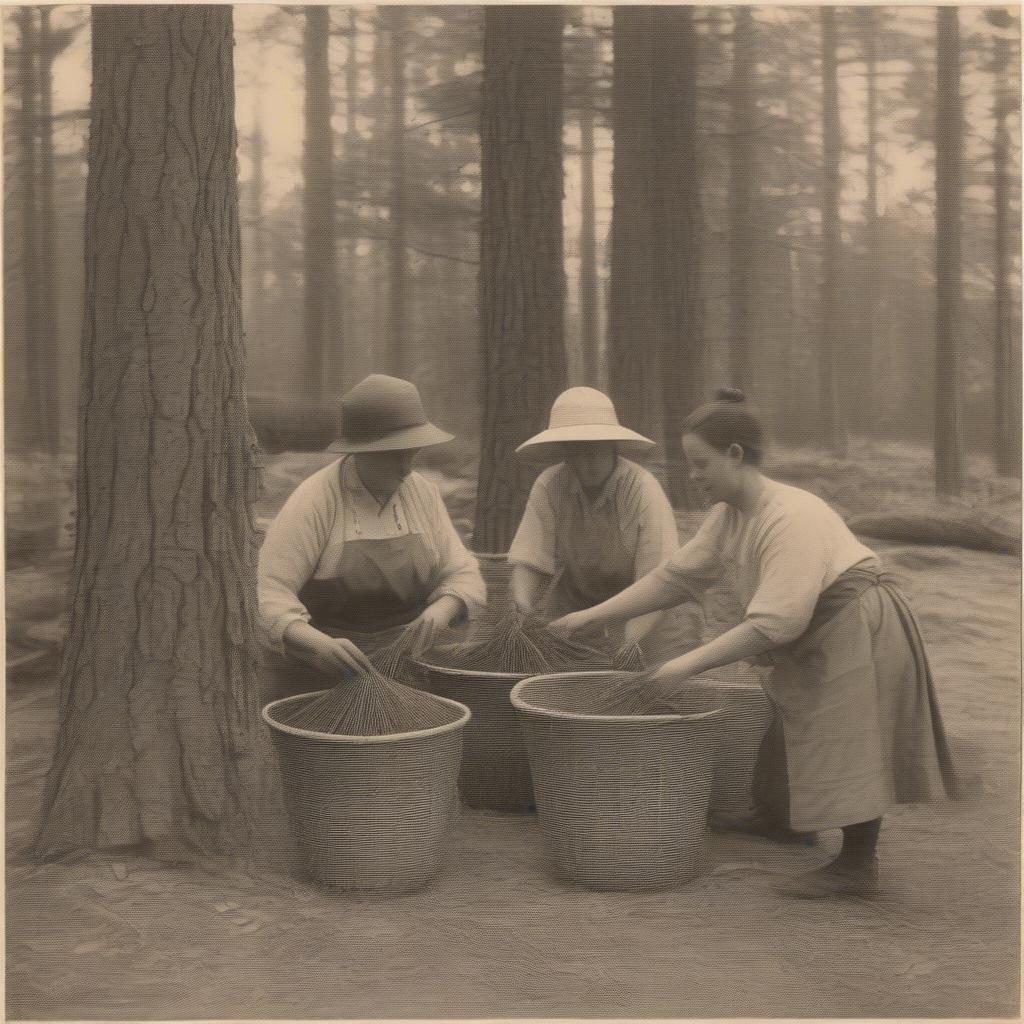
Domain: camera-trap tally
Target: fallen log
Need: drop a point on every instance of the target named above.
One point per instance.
(951, 527)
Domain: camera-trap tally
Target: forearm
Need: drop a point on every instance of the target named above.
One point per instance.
(448, 608)
(301, 639)
(528, 584)
(636, 629)
(740, 643)
(645, 596)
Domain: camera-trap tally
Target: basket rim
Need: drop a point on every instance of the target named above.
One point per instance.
(497, 676)
(393, 737)
(520, 704)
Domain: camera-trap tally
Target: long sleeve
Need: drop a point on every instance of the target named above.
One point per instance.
(690, 570)
(289, 556)
(459, 570)
(534, 542)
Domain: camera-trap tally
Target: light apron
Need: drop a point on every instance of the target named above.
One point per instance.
(859, 721)
(380, 587)
(595, 565)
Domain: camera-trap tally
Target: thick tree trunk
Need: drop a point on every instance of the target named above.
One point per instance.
(679, 316)
(632, 348)
(50, 277)
(158, 684)
(398, 258)
(949, 440)
(522, 277)
(742, 236)
(254, 297)
(348, 311)
(589, 320)
(320, 270)
(1006, 438)
(833, 431)
(862, 408)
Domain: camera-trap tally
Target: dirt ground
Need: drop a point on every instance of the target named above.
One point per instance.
(497, 936)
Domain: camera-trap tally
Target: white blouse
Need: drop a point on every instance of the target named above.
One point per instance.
(778, 560)
(332, 506)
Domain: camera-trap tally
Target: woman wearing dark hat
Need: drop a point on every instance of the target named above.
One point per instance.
(364, 549)
(851, 683)
(596, 522)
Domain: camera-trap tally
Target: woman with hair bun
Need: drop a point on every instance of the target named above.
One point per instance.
(850, 683)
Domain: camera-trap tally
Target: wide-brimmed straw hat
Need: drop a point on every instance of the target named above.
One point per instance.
(584, 414)
(385, 414)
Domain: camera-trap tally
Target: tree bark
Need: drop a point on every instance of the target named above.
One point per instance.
(522, 276)
(632, 348)
(398, 258)
(742, 237)
(862, 408)
(589, 320)
(679, 317)
(319, 262)
(833, 431)
(1007, 426)
(255, 298)
(949, 440)
(158, 709)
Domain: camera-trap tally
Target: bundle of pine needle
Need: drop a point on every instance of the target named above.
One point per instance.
(629, 693)
(630, 658)
(519, 643)
(371, 704)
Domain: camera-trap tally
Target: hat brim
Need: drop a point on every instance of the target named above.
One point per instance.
(423, 436)
(584, 432)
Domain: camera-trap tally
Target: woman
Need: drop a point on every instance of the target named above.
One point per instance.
(851, 683)
(594, 524)
(364, 550)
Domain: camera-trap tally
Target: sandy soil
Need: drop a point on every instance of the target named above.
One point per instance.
(496, 934)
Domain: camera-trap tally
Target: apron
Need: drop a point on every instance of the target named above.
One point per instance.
(858, 723)
(595, 565)
(381, 586)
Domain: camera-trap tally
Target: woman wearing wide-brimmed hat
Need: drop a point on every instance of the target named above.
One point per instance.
(364, 549)
(595, 523)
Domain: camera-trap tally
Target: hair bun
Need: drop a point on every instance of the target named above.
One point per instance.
(730, 395)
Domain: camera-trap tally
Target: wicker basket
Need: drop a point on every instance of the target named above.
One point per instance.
(371, 814)
(495, 770)
(745, 714)
(623, 800)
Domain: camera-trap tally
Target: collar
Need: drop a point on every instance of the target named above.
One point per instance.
(607, 489)
(351, 483)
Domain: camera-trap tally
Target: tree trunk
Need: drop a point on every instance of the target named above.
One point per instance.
(522, 276)
(158, 730)
(679, 308)
(833, 432)
(589, 322)
(398, 260)
(255, 299)
(632, 349)
(863, 407)
(742, 236)
(1007, 427)
(949, 440)
(320, 271)
(348, 311)
(50, 278)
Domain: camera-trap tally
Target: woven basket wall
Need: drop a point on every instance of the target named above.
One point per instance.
(623, 801)
(495, 772)
(745, 714)
(371, 814)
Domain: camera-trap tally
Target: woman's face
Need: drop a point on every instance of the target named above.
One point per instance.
(386, 469)
(591, 462)
(717, 474)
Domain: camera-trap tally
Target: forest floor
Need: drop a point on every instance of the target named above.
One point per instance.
(496, 935)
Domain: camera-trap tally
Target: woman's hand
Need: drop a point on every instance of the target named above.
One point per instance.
(327, 654)
(422, 633)
(667, 681)
(569, 626)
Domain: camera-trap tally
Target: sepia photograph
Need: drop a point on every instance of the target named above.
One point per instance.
(512, 511)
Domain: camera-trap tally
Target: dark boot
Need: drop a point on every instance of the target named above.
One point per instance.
(853, 873)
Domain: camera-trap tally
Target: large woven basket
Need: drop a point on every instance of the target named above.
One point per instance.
(623, 800)
(495, 772)
(744, 716)
(371, 814)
